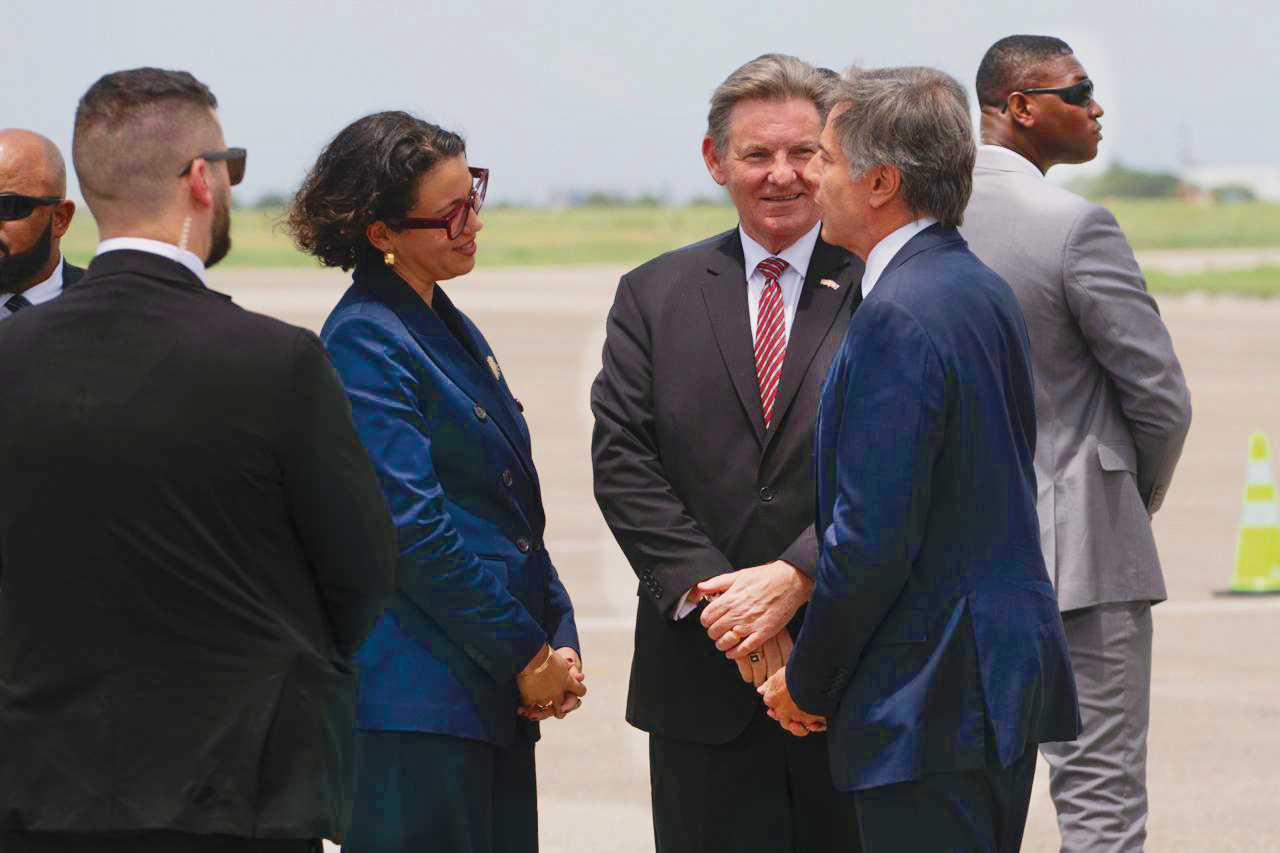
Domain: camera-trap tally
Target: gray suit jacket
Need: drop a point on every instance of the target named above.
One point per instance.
(1111, 402)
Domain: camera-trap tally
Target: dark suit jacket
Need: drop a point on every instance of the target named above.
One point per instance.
(933, 627)
(71, 274)
(686, 475)
(478, 594)
(192, 546)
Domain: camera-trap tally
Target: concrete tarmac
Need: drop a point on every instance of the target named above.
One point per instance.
(1214, 766)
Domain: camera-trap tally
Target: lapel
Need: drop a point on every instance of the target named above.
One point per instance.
(448, 354)
(817, 311)
(724, 290)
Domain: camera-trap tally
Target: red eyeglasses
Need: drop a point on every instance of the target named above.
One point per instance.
(456, 219)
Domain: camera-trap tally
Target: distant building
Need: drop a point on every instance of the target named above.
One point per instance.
(1264, 181)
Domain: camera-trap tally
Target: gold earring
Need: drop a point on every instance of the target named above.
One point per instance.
(389, 259)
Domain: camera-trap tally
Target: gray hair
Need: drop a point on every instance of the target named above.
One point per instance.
(916, 120)
(771, 77)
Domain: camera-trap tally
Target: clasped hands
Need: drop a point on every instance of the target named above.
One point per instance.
(551, 685)
(746, 618)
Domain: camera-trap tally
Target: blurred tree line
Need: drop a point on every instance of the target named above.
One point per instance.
(1121, 181)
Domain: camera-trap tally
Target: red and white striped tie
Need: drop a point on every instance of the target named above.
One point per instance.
(771, 335)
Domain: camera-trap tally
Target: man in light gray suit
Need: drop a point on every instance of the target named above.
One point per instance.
(1112, 410)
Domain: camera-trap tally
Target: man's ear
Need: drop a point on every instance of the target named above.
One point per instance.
(63, 213)
(885, 183)
(1020, 110)
(712, 158)
(199, 183)
(379, 235)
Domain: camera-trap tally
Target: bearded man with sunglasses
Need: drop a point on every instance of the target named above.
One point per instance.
(1112, 408)
(34, 214)
(193, 542)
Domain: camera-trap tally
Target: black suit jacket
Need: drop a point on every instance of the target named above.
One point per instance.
(72, 274)
(192, 545)
(687, 477)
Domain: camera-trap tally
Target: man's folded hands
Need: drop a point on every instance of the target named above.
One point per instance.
(752, 605)
(777, 696)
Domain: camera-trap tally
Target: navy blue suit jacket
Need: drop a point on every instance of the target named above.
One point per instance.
(933, 638)
(477, 593)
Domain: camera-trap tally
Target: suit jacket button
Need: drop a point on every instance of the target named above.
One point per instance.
(522, 545)
(481, 413)
(508, 478)
(767, 494)
(519, 405)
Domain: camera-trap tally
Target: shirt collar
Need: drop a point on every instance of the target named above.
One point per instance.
(796, 255)
(45, 290)
(1007, 159)
(886, 250)
(155, 247)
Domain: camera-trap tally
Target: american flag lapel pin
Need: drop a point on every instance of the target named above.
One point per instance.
(826, 282)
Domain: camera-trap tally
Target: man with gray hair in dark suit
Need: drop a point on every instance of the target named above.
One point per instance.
(1112, 409)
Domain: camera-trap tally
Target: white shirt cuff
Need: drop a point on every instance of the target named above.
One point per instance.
(688, 604)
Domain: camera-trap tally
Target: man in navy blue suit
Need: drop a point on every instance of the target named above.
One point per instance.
(933, 648)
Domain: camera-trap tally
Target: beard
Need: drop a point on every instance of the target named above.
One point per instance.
(220, 239)
(17, 271)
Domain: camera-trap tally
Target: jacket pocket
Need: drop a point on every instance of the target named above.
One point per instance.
(1117, 456)
(495, 564)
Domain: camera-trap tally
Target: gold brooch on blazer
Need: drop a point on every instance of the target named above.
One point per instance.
(493, 366)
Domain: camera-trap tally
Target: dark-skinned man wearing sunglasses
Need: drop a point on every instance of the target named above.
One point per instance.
(193, 542)
(1112, 408)
(34, 214)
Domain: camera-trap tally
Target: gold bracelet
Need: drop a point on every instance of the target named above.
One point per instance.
(545, 662)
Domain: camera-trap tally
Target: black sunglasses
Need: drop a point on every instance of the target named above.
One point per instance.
(234, 157)
(16, 206)
(456, 219)
(1077, 94)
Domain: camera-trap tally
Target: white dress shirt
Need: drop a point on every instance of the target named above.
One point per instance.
(887, 249)
(48, 289)
(1015, 159)
(791, 281)
(155, 247)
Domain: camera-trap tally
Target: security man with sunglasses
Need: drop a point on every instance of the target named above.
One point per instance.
(193, 543)
(1112, 408)
(34, 214)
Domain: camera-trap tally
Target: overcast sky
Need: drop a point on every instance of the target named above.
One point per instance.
(561, 96)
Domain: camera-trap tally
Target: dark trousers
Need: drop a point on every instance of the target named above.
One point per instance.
(148, 842)
(426, 793)
(765, 791)
(977, 811)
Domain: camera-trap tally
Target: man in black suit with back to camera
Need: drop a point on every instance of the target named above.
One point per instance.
(34, 214)
(192, 540)
(703, 454)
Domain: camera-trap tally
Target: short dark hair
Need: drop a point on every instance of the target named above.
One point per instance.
(368, 172)
(1008, 62)
(134, 131)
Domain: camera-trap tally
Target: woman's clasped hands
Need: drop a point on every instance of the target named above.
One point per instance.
(552, 684)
